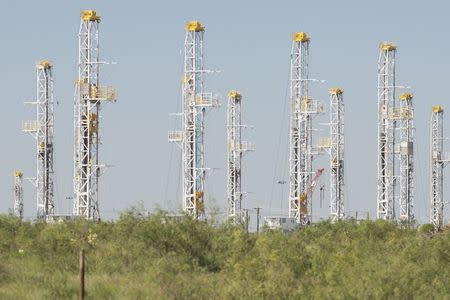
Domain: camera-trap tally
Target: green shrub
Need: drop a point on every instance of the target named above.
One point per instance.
(160, 257)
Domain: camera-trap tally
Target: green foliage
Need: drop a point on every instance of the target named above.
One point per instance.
(426, 228)
(163, 257)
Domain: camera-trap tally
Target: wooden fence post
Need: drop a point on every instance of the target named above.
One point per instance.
(82, 274)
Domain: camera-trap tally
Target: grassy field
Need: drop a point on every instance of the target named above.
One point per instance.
(140, 257)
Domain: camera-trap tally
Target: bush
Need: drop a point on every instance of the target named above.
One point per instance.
(161, 257)
(426, 228)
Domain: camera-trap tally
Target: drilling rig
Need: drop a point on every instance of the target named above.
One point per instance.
(406, 127)
(42, 130)
(89, 98)
(18, 194)
(195, 102)
(336, 151)
(236, 148)
(303, 109)
(438, 162)
(386, 132)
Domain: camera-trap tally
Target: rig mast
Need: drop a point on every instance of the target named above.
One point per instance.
(195, 101)
(406, 117)
(303, 108)
(18, 194)
(236, 148)
(386, 132)
(42, 129)
(336, 154)
(89, 96)
(437, 167)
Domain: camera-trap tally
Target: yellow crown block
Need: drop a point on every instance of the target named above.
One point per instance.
(44, 64)
(335, 91)
(388, 46)
(300, 37)
(406, 97)
(437, 109)
(89, 15)
(194, 26)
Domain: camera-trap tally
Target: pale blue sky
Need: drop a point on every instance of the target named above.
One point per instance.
(249, 41)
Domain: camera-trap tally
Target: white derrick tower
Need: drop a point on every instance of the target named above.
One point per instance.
(303, 109)
(18, 194)
(386, 132)
(195, 101)
(42, 130)
(89, 97)
(437, 167)
(236, 148)
(336, 154)
(406, 126)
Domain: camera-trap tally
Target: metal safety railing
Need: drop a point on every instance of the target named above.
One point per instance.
(307, 105)
(324, 143)
(245, 146)
(175, 136)
(30, 126)
(400, 113)
(440, 156)
(107, 93)
(206, 99)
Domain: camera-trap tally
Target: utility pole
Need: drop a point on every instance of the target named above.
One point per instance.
(89, 98)
(246, 218)
(258, 209)
(191, 138)
(42, 130)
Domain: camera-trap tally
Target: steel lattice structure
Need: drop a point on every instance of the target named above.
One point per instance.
(195, 101)
(336, 154)
(88, 98)
(303, 108)
(42, 129)
(437, 167)
(236, 148)
(18, 194)
(405, 114)
(386, 132)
